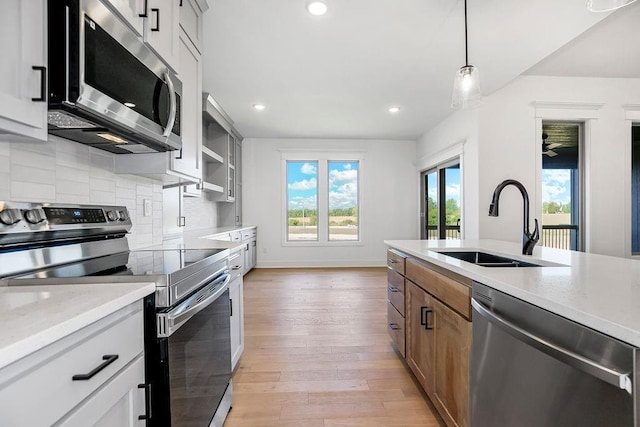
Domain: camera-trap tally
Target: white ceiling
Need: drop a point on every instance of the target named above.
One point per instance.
(335, 76)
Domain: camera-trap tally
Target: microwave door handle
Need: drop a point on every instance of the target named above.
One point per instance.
(172, 98)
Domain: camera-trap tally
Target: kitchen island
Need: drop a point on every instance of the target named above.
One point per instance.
(459, 358)
(598, 291)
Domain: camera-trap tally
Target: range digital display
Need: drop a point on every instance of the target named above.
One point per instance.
(74, 216)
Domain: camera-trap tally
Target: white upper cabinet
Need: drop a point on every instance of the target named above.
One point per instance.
(132, 12)
(191, 19)
(161, 30)
(189, 162)
(23, 82)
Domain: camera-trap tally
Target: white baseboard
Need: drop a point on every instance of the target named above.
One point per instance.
(321, 263)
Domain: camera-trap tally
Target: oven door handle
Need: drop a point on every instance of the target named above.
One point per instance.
(168, 323)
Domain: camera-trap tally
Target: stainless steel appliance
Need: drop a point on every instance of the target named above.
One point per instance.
(530, 367)
(187, 325)
(107, 89)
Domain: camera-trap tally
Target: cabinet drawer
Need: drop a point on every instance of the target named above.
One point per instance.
(396, 260)
(248, 234)
(39, 389)
(455, 294)
(395, 326)
(395, 290)
(235, 236)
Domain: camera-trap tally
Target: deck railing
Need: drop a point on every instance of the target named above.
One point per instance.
(451, 232)
(563, 236)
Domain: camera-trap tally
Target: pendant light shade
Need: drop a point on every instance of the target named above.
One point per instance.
(466, 86)
(606, 5)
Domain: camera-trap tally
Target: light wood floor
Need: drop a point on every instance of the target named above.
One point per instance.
(317, 354)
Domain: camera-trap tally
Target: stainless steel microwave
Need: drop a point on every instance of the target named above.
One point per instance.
(107, 88)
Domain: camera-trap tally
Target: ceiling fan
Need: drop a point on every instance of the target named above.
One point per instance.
(547, 147)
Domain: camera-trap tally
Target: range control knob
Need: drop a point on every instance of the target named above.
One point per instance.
(35, 216)
(123, 215)
(10, 216)
(113, 215)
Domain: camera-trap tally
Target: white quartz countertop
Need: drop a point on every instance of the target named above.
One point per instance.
(203, 239)
(598, 291)
(33, 317)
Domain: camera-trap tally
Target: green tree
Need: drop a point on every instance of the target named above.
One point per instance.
(452, 212)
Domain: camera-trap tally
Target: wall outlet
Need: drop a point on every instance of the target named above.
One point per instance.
(146, 207)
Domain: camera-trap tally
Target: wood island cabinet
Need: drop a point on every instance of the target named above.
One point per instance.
(438, 335)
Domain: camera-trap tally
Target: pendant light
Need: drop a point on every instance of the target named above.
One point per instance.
(466, 86)
(607, 5)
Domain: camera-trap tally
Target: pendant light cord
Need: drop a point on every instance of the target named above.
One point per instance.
(466, 42)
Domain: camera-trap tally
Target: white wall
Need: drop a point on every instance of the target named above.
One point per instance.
(508, 143)
(389, 201)
(68, 172)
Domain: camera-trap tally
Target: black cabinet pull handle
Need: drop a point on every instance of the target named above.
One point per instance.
(182, 221)
(179, 156)
(393, 326)
(424, 317)
(231, 307)
(392, 261)
(393, 289)
(147, 401)
(146, 10)
(43, 84)
(108, 360)
(157, 11)
(180, 3)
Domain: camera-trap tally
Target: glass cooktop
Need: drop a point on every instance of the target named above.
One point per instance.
(132, 263)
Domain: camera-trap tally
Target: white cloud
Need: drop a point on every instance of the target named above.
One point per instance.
(308, 169)
(453, 192)
(336, 176)
(344, 196)
(556, 185)
(300, 202)
(305, 184)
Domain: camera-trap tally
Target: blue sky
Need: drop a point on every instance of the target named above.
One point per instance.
(452, 190)
(302, 184)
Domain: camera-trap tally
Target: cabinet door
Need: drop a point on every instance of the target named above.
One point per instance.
(120, 402)
(172, 219)
(188, 160)
(23, 89)
(161, 30)
(237, 320)
(420, 337)
(132, 12)
(452, 349)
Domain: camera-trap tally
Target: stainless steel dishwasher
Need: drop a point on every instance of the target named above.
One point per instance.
(530, 367)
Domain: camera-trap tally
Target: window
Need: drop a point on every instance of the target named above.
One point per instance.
(441, 202)
(302, 200)
(561, 185)
(322, 199)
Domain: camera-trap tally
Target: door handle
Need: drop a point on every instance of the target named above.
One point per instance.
(424, 317)
(108, 360)
(147, 402)
(157, 11)
(43, 83)
(146, 10)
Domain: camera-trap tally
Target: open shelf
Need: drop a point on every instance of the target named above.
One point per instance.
(208, 186)
(211, 156)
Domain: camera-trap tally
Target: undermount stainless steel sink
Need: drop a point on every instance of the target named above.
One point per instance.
(488, 260)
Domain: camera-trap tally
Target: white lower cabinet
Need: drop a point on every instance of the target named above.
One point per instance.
(237, 320)
(90, 377)
(120, 402)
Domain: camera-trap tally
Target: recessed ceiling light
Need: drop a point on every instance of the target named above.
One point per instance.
(259, 107)
(317, 8)
(394, 109)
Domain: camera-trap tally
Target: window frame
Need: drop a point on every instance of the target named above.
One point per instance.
(323, 157)
(440, 170)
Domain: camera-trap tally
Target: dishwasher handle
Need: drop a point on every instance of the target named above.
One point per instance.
(575, 360)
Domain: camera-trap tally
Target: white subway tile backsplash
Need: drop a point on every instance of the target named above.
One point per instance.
(32, 159)
(32, 192)
(31, 174)
(74, 188)
(67, 172)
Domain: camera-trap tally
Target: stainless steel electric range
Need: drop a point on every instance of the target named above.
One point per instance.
(187, 326)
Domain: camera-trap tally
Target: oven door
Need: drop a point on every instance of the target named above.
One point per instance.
(193, 360)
